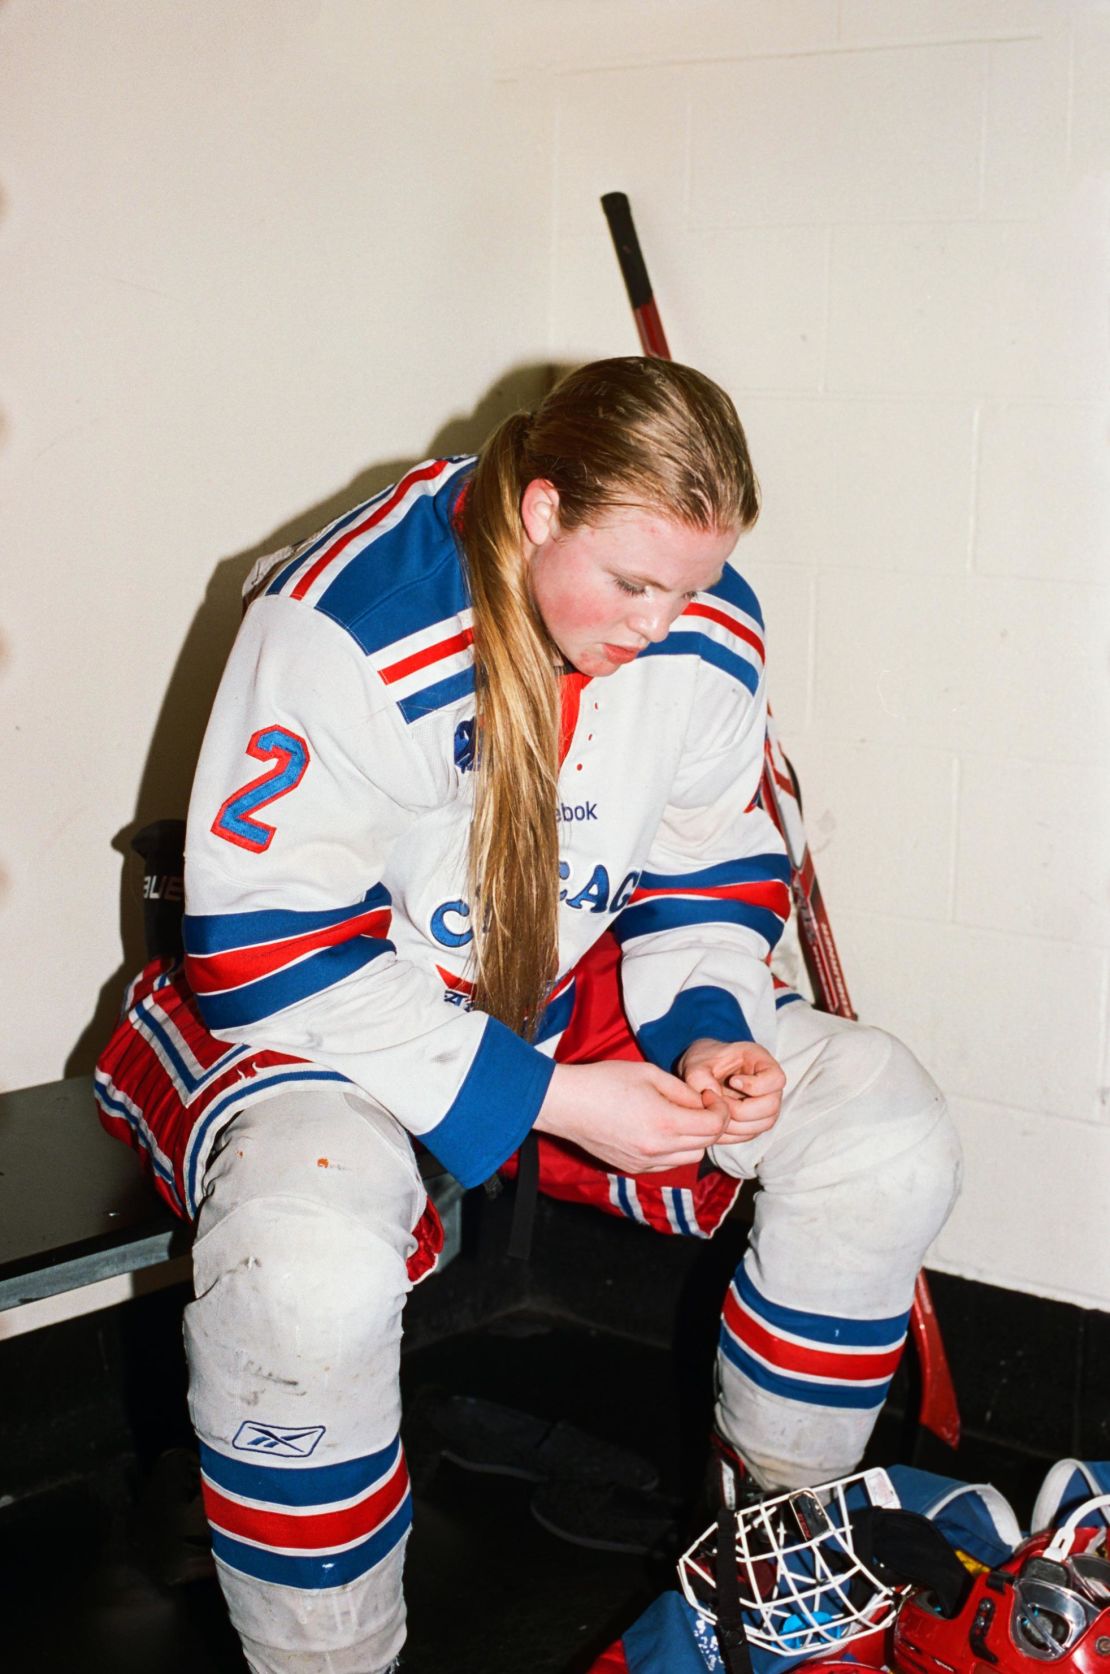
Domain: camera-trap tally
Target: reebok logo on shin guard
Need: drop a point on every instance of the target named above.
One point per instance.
(277, 1439)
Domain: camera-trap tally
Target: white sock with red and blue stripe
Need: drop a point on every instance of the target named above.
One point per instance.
(323, 1540)
(800, 1390)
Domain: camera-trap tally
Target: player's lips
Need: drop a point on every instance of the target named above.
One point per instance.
(621, 653)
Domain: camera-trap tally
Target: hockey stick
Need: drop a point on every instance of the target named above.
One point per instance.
(937, 1409)
(650, 327)
(783, 801)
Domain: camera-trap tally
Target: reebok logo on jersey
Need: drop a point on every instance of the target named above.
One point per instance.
(276, 1439)
(566, 812)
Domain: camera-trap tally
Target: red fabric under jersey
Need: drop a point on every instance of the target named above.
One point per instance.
(677, 1200)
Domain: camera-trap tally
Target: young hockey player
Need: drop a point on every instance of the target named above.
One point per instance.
(508, 712)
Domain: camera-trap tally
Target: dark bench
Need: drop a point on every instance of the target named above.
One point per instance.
(80, 1228)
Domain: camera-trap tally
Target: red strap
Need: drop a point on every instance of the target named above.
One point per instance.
(570, 702)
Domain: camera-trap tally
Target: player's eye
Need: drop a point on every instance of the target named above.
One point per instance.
(629, 587)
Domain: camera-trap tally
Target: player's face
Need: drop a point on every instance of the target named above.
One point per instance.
(607, 590)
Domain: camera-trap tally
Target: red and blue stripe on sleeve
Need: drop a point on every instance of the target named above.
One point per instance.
(752, 894)
(246, 966)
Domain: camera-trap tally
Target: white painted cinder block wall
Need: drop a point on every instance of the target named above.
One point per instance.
(257, 255)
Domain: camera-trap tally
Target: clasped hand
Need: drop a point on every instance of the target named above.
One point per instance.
(739, 1081)
(641, 1120)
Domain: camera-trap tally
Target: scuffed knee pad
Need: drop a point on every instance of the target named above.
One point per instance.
(900, 1079)
(903, 1205)
(867, 1087)
(285, 1290)
(857, 1060)
(918, 1160)
(870, 1130)
(846, 1230)
(915, 1135)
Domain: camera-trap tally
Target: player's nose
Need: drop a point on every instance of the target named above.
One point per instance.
(653, 620)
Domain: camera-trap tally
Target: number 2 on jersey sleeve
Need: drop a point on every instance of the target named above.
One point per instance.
(289, 755)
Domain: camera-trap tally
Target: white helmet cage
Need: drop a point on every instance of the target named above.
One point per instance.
(803, 1588)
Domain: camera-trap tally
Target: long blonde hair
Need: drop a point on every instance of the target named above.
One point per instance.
(634, 432)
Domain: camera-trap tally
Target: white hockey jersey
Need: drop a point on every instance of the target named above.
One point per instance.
(326, 909)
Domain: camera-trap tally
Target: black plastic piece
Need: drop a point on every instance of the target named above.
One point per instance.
(618, 213)
(161, 848)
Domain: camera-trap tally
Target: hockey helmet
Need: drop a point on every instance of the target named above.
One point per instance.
(1048, 1604)
(801, 1588)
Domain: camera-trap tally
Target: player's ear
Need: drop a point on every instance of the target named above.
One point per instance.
(539, 511)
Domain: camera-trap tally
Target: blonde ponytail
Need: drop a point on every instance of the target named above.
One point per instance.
(514, 849)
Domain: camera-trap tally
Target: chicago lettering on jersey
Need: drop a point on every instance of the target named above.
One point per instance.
(445, 929)
(594, 894)
(448, 922)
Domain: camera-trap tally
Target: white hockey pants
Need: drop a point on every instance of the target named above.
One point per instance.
(294, 1338)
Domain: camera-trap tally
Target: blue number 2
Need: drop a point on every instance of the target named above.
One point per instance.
(289, 755)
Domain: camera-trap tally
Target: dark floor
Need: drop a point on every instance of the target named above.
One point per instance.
(489, 1590)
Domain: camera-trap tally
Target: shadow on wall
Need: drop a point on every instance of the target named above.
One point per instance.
(183, 713)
